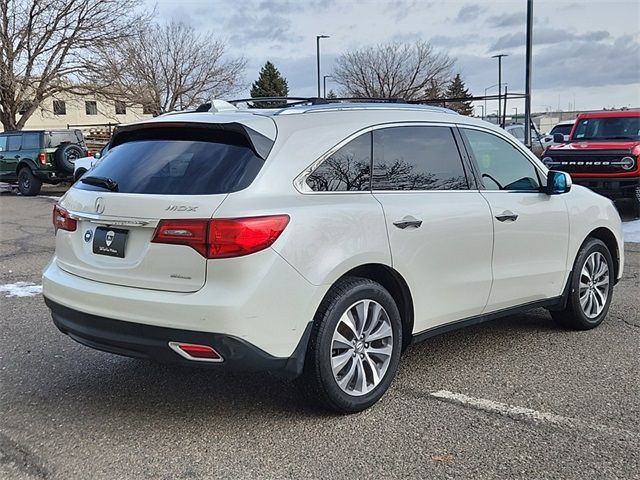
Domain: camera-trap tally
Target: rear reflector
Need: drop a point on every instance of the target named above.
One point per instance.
(198, 353)
(62, 220)
(223, 238)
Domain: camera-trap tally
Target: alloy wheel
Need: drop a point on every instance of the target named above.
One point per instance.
(594, 285)
(361, 347)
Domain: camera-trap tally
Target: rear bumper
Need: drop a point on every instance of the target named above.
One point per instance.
(152, 342)
(610, 187)
(53, 176)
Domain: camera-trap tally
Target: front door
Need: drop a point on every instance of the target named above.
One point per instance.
(531, 228)
(440, 229)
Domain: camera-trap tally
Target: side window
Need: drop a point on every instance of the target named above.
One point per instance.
(347, 169)
(416, 158)
(502, 166)
(3, 143)
(30, 141)
(14, 142)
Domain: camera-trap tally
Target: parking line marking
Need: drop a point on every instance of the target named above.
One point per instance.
(523, 413)
(21, 289)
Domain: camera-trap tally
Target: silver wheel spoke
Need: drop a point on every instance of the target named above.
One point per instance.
(361, 347)
(593, 288)
(339, 361)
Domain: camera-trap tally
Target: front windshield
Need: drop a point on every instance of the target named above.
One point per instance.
(611, 128)
(563, 129)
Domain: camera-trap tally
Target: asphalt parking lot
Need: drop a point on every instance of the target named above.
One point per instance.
(513, 398)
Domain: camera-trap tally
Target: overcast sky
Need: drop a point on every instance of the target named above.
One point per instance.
(585, 52)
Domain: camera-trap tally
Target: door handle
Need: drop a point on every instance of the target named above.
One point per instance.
(507, 216)
(407, 222)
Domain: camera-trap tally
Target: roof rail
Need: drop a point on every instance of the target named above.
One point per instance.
(284, 102)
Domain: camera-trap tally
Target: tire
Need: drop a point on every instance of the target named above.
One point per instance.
(28, 184)
(66, 155)
(584, 280)
(355, 363)
(79, 174)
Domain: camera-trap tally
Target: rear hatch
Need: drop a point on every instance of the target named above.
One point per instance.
(154, 171)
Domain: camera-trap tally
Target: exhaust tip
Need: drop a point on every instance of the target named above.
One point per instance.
(196, 353)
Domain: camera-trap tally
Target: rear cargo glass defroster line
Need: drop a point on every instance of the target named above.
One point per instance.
(178, 161)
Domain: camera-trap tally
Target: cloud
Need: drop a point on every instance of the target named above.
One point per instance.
(401, 9)
(448, 41)
(469, 13)
(545, 36)
(507, 19)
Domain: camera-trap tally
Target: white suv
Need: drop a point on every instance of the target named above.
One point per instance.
(320, 241)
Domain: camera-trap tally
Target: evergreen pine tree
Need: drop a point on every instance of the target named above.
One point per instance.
(457, 89)
(332, 94)
(269, 84)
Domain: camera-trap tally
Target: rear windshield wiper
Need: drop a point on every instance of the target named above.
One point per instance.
(103, 182)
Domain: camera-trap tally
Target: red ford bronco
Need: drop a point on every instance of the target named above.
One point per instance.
(602, 153)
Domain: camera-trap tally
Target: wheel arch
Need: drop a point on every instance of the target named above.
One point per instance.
(25, 162)
(609, 239)
(397, 286)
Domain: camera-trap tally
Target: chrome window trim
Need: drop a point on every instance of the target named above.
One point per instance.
(300, 182)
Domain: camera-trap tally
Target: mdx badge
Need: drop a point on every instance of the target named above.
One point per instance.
(181, 208)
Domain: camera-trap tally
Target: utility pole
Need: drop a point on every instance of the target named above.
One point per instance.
(318, 37)
(527, 81)
(324, 83)
(499, 57)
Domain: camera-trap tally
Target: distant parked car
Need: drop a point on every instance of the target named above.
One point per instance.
(563, 128)
(517, 130)
(84, 164)
(33, 157)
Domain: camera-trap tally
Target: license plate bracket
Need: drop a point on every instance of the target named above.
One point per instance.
(110, 241)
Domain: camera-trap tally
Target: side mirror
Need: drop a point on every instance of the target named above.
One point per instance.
(558, 138)
(558, 182)
(97, 155)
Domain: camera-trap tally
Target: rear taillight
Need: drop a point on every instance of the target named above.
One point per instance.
(42, 158)
(223, 238)
(62, 220)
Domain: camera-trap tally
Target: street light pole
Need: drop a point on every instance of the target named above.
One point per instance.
(318, 37)
(516, 109)
(482, 107)
(527, 80)
(499, 57)
(324, 84)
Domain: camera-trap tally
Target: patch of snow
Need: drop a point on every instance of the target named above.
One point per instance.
(631, 231)
(21, 289)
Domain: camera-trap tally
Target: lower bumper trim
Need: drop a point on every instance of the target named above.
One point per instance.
(151, 342)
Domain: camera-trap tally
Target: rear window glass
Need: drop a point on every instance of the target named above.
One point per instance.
(179, 162)
(58, 138)
(30, 141)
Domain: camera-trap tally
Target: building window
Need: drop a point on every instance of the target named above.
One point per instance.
(91, 107)
(121, 108)
(59, 107)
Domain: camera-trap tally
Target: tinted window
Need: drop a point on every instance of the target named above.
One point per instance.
(179, 162)
(501, 165)
(416, 158)
(348, 169)
(30, 141)
(3, 143)
(14, 142)
(563, 129)
(610, 128)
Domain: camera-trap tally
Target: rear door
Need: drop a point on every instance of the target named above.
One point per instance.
(153, 174)
(439, 226)
(531, 228)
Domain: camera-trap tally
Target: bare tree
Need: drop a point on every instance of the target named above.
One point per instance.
(391, 70)
(165, 68)
(46, 44)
